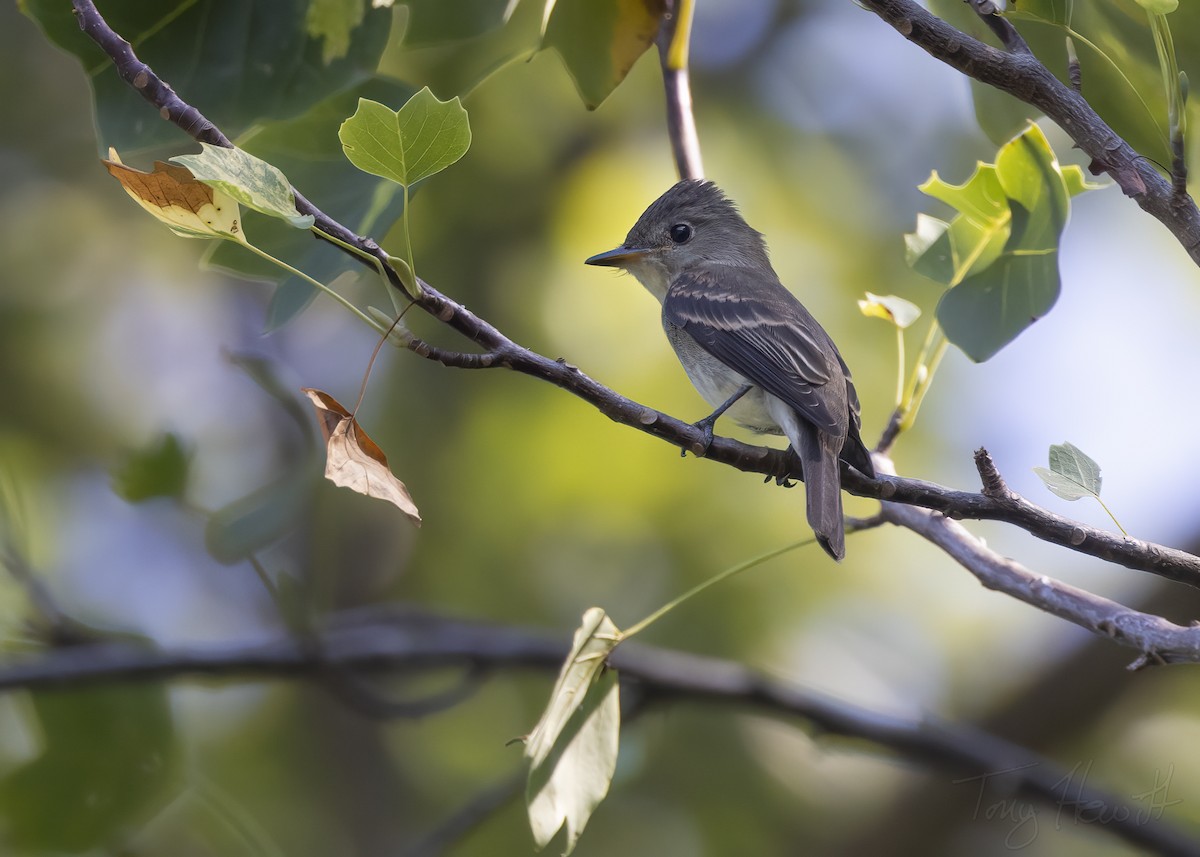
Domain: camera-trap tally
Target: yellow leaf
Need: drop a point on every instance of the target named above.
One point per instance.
(353, 460)
(172, 194)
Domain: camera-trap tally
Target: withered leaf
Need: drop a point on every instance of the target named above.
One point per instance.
(173, 195)
(353, 460)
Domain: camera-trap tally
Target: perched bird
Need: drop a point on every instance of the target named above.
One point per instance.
(748, 346)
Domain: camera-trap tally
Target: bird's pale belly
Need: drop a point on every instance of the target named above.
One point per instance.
(716, 382)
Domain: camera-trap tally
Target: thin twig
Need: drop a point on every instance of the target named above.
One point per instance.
(673, 36)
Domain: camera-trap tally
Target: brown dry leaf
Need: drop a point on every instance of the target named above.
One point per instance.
(353, 460)
(174, 196)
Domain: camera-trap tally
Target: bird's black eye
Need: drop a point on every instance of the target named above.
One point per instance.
(681, 233)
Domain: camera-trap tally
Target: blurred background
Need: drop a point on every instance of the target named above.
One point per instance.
(820, 121)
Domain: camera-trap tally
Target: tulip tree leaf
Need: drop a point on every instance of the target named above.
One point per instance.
(308, 151)
(241, 64)
(600, 40)
(999, 253)
(573, 750)
(410, 144)
(1073, 473)
(250, 180)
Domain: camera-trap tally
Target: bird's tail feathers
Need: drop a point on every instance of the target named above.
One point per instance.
(823, 490)
(856, 454)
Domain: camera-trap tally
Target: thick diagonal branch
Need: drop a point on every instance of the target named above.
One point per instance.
(1023, 76)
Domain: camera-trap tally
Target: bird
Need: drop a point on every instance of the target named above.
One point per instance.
(748, 345)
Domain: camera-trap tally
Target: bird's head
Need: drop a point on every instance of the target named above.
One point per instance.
(690, 225)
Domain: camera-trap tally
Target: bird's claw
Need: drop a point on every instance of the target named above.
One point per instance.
(701, 449)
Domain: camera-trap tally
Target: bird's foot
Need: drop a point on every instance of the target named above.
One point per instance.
(782, 474)
(701, 449)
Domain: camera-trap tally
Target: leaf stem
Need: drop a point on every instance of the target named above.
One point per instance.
(315, 283)
(1104, 506)
(712, 581)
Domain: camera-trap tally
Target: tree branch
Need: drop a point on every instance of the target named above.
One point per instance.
(1022, 75)
(1015, 70)
(674, 34)
(410, 644)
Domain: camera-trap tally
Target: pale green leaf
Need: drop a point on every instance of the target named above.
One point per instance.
(424, 137)
(573, 749)
(250, 180)
(1159, 7)
(928, 250)
(1073, 473)
(1076, 180)
(983, 223)
(333, 21)
(891, 308)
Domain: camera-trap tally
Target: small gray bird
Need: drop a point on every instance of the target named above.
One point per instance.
(746, 343)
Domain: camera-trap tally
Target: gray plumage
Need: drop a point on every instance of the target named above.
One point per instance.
(732, 323)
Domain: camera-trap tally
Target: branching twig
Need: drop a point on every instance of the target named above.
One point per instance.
(1154, 637)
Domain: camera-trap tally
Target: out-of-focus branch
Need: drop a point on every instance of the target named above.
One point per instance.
(1019, 73)
(367, 641)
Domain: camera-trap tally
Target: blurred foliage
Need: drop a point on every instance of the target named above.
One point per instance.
(535, 506)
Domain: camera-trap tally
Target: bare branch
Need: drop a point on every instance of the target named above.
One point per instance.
(1022, 75)
(1155, 638)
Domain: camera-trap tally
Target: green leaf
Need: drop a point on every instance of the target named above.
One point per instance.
(422, 138)
(1159, 7)
(573, 749)
(1072, 474)
(160, 470)
(249, 180)
(334, 21)
(432, 22)
(1003, 244)
(928, 250)
(600, 40)
(897, 310)
(259, 519)
(308, 151)
(107, 764)
(241, 64)
(979, 231)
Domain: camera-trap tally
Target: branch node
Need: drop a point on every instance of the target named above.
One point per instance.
(993, 483)
(1077, 536)
(648, 417)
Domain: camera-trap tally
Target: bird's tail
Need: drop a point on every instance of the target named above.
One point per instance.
(823, 490)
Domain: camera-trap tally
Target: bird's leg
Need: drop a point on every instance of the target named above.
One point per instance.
(791, 461)
(706, 424)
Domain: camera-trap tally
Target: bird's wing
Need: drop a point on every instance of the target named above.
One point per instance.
(757, 328)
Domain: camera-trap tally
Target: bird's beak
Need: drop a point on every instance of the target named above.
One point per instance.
(618, 258)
